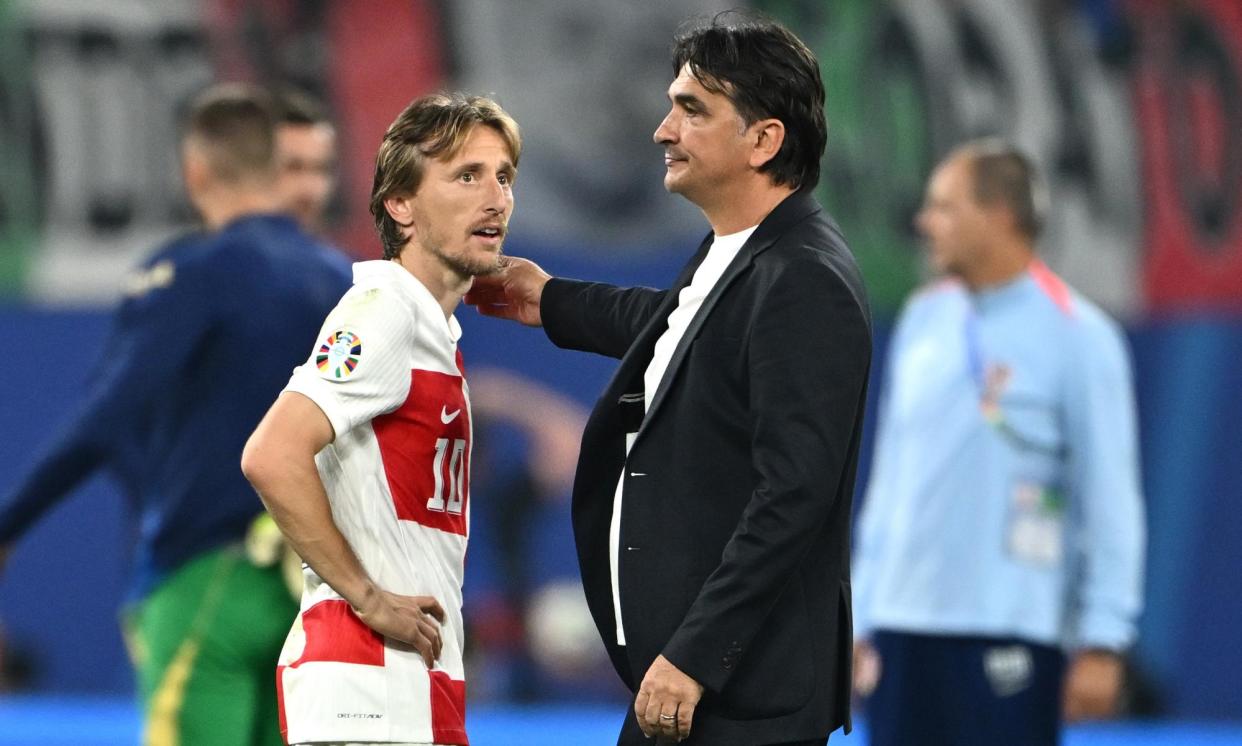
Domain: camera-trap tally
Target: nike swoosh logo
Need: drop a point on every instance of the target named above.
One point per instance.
(445, 417)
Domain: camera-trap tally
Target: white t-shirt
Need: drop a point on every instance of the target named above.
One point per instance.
(387, 373)
(689, 301)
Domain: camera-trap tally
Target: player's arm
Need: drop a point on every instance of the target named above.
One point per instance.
(1106, 501)
(810, 352)
(72, 455)
(153, 334)
(279, 460)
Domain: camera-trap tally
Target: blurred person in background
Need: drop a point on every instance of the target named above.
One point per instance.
(1003, 526)
(525, 452)
(305, 158)
(711, 505)
(204, 339)
(364, 459)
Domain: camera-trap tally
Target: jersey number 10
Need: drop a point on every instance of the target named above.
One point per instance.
(450, 472)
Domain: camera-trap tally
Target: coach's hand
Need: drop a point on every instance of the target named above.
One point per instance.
(414, 620)
(1092, 686)
(512, 293)
(667, 692)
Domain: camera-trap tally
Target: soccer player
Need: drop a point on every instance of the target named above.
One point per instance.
(202, 342)
(364, 460)
(1003, 526)
(305, 158)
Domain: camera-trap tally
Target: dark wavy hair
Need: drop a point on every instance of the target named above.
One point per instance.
(766, 72)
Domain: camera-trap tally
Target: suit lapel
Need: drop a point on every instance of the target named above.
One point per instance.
(628, 378)
(636, 359)
(793, 209)
(739, 264)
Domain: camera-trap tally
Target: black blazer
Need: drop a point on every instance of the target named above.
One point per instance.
(734, 559)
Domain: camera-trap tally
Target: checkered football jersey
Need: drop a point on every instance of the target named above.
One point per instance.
(387, 373)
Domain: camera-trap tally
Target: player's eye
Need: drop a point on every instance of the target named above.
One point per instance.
(468, 177)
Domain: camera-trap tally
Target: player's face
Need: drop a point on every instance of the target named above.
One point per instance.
(704, 139)
(306, 160)
(462, 207)
(954, 225)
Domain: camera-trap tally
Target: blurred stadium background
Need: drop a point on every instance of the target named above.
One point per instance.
(1132, 107)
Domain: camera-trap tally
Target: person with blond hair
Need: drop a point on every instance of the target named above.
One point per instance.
(364, 459)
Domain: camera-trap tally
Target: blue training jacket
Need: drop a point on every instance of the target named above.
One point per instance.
(1005, 497)
(206, 338)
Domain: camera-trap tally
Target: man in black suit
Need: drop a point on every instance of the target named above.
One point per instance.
(712, 500)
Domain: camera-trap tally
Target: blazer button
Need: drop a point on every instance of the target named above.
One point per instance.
(727, 662)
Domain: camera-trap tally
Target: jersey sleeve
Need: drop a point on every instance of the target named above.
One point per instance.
(360, 365)
(171, 306)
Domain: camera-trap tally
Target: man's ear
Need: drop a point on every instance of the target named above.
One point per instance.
(400, 210)
(767, 137)
(998, 213)
(195, 169)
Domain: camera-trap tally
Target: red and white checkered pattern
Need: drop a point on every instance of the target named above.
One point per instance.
(397, 476)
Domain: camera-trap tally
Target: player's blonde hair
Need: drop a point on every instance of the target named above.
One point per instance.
(434, 126)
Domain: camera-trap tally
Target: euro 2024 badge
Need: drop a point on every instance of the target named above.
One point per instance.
(338, 356)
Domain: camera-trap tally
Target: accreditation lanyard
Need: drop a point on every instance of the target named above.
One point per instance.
(990, 385)
(989, 398)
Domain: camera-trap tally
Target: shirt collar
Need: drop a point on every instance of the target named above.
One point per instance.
(410, 287)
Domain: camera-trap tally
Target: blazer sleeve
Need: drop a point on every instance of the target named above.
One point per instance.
(810, 351)
(594, 317)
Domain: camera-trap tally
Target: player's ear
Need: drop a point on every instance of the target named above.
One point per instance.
(195, 168)
(400, 210)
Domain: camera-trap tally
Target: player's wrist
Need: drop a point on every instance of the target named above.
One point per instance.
(365, 600)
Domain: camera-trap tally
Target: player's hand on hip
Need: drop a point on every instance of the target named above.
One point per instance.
(1092, 686)
(414, 620)
(514, 292)
(666, 701)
